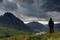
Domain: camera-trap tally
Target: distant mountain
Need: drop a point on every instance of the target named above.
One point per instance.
(57, 27)
(9, 20)
(37, 26)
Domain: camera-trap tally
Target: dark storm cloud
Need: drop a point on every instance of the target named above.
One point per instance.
(27, 1)
(1, 1)
(8, 6)
(52, 5)
(40, 8)
(27, 7)
(32, 8)
(53, 8)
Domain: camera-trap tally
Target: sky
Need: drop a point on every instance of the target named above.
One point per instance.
(32, 10)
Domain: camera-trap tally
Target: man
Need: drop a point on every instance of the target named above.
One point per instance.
(51, 25)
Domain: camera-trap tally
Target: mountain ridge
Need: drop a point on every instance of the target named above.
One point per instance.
(37, 26)
(10, 20)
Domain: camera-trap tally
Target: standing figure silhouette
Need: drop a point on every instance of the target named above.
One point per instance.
(51, 25)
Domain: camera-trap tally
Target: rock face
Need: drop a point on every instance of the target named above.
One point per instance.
(11, 21)
(37, 26)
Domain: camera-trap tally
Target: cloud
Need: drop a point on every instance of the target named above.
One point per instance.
(26, 2)
(55, 15)
(52, 5)
(1, 1)
(33, 8)
(8, 6)
(38, 8)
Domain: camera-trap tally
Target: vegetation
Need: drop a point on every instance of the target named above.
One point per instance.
(33, 37)
(13, 34)
(8, 32)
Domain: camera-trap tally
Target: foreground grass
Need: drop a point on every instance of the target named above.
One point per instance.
(8, 33)
(13, 34)
(55, 36)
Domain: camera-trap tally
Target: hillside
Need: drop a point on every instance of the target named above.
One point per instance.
(47, 36)
(8, 32)
(11, 21)
(37, 26)
(57, 27)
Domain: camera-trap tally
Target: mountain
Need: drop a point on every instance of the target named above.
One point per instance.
(57, 27)
(11, 21)
(37, 26)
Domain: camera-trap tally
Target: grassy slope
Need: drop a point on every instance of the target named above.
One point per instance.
(55, 36)
(13, 34)
(4, 31)
(47, 36)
